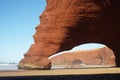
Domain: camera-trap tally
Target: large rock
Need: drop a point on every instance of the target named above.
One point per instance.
(67, 23)
(81, 58)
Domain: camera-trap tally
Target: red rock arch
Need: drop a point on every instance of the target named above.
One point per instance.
(67, 23)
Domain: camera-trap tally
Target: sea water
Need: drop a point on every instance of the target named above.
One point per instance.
(7, 66)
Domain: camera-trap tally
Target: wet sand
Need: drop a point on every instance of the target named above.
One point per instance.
(58, 72)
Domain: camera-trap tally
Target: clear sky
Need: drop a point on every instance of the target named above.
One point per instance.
(18, 19)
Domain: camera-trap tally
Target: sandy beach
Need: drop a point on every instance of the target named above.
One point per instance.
(60, 72)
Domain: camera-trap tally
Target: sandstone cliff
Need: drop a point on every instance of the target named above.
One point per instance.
(67, 23)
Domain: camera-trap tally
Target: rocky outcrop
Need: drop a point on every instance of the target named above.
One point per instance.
(67, 23)
(97, 57)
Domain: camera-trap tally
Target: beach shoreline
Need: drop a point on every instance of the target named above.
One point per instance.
(58, 72)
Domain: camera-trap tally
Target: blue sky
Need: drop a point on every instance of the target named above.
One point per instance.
(18, 19)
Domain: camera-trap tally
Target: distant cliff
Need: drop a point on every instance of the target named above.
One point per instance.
(67, 23)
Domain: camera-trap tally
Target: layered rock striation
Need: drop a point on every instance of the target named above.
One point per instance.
(67, 23)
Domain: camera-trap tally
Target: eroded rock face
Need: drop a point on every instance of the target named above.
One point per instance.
(67, 23)
(97, 57)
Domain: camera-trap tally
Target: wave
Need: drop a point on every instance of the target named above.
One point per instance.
(8, 66)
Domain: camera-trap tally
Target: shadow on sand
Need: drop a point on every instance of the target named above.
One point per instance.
(67, 77)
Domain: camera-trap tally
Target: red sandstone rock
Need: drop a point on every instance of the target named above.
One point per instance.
(67, 23)
(99, 57)
(38, 63)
